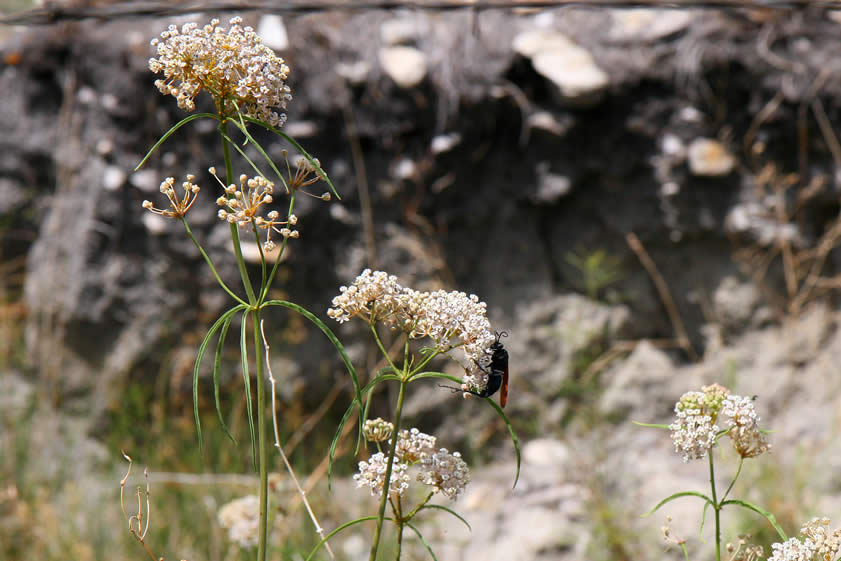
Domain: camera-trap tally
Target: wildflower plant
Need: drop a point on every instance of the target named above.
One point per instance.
(702, 419)
(453, 325)
(247, 83)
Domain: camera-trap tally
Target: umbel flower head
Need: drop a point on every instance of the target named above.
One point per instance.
(818, 544)
(448, 319)
(695, 429)
(177, 207)
(234, 66)
(242, 519)
(445, 472)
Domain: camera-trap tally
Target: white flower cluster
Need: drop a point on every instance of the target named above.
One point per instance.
(818, 543)
(372, 474)
(694, 431)
(244, 202)
(413, 445)
(445, 472)
(826, 544)
(372, 296)
(792, 550)
(234, 66)
(449, 319)
(744, 432)
(242, 519)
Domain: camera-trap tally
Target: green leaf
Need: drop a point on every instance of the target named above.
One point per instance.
(670, 498)
(172, 130)
(423, 540)
(335, 442)
(445, 509)
(202, 349)
(652, 425)
(246, 378)
(337, 530)
(321, 173)
(357, 400)
(768, 515)
(217, 362)
(514, 438)
(330, 335)
(439, 375)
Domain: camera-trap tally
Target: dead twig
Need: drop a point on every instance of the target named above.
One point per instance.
(663, 290)
(319, 530)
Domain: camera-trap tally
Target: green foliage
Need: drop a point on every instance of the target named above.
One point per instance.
(593, 271)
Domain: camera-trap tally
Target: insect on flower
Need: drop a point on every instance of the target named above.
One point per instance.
(497, 372)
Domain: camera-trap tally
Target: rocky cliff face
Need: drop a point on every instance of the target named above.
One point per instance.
(597, 177)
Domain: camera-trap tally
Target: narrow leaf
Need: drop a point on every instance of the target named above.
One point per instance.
(172, 130)
(514, 438)
(202, 349)
(451, 511)
(217, 363)
(243, 350)
(768, 515)
(652, 425)
(423, 540)
(677, 496)
(337, 530)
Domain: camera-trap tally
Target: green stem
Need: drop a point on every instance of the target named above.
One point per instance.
(389, 465)
(210, 263)
(401, 523)
(262, 445)
(262, 440)
(265, 292)
(735, 477)
(716, 509)
(229, 178)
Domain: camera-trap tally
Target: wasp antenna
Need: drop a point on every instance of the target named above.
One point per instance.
(500, 334)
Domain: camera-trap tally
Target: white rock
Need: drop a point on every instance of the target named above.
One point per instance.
(155, 223)
(444, 142)
(546, 452)
(551, 186)
(529, 43)
(646, 24)
(145, 180)
(273, 31)
(568, 65)
(573, 70)
(301, 129)
(405, 169)
(544, 120)
(405, 65)
(104, 147)
(113, 178)
(709, 158)
(354, 72)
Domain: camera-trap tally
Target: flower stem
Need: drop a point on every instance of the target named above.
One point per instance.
(716, 509)
(210, 263)
(262, 441)
(229, 178)
(387, 483)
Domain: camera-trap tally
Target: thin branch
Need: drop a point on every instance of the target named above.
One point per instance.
(663, 290)
(319, 530)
